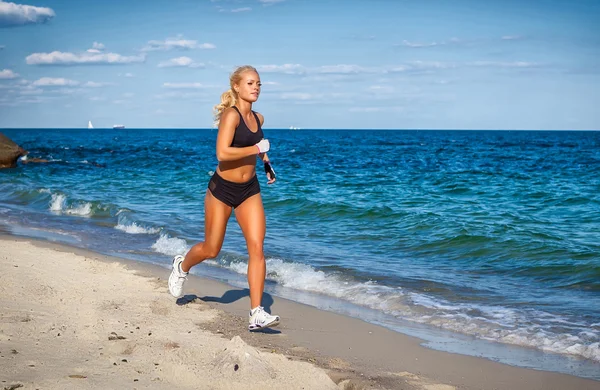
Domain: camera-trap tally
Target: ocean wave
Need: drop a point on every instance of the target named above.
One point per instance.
(133, 227)
(60, 203)
(531, 328)
(136, 228)
(170, 246)
(528, 328)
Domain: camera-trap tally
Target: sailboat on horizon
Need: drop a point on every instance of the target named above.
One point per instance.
(90, 126)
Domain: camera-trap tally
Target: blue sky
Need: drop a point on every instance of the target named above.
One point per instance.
(382, 64)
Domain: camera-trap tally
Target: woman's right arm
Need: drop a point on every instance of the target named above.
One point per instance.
(225, 152)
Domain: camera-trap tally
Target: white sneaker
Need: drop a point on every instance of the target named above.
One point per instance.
(259, 319)
(177, 277)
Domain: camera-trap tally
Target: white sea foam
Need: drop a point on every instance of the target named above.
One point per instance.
(304, 277)
(511, 326)
(170, 246)
(57, 202)
(83, 209)
(495, 323)
(135, 228)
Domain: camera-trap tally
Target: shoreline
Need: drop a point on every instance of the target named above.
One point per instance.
(350, 351)
(302, 129)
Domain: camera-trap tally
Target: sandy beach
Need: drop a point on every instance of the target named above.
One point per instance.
(73, 319)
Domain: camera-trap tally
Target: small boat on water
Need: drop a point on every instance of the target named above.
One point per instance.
(90, 126)
(119, 127)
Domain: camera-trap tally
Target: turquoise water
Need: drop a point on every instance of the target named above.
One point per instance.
(494, 235)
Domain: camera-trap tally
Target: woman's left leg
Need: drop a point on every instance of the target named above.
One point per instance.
(251, 218)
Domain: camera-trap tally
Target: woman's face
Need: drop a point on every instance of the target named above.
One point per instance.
(249, 86)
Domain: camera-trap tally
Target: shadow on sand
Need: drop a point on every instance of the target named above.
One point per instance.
(231, 296)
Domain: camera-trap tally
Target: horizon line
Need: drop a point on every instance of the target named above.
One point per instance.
(287, 129)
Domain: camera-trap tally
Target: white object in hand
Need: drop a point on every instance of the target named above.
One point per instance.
(263, 146)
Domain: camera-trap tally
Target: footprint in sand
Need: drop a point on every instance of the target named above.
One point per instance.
(159, 308)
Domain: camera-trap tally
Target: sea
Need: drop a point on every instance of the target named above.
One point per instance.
(484, 243)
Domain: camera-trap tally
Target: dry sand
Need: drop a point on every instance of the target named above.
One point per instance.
(71, 322)
(72, 319)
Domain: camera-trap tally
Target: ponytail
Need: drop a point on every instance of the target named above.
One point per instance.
(228, 99)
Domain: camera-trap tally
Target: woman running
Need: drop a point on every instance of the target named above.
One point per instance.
(234, 186)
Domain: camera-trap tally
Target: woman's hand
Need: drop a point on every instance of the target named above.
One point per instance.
(263, 146)
(270, 172)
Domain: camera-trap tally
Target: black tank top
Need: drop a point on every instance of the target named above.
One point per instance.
(243, 136)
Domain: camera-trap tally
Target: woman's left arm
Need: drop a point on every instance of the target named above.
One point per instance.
(263, 156)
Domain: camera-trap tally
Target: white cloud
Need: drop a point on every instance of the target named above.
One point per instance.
(330, 73)
(85, 58)
(181, 62)
(285, 68)
(421, 67)
(54, 82)
(243, 9)
(7, 74)
(128, 75)
(96, 48)
(297, 69)
(176, 43)
(94, 84)
(417, 45)
(97, 99)
(184, 85)
(12, 14)
(180, 95)
(270, 2)
(350, 69)
(128, 95)
(500, 64)
(344, 69)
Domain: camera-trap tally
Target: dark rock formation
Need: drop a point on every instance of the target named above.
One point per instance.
(9, 152)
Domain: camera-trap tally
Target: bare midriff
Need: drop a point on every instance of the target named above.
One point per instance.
(238, 171)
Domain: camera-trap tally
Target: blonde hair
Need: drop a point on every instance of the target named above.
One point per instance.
(229, 97)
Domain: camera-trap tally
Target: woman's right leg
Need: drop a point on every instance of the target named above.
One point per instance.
(216, 215)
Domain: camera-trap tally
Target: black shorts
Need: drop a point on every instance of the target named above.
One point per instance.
(231, 193)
